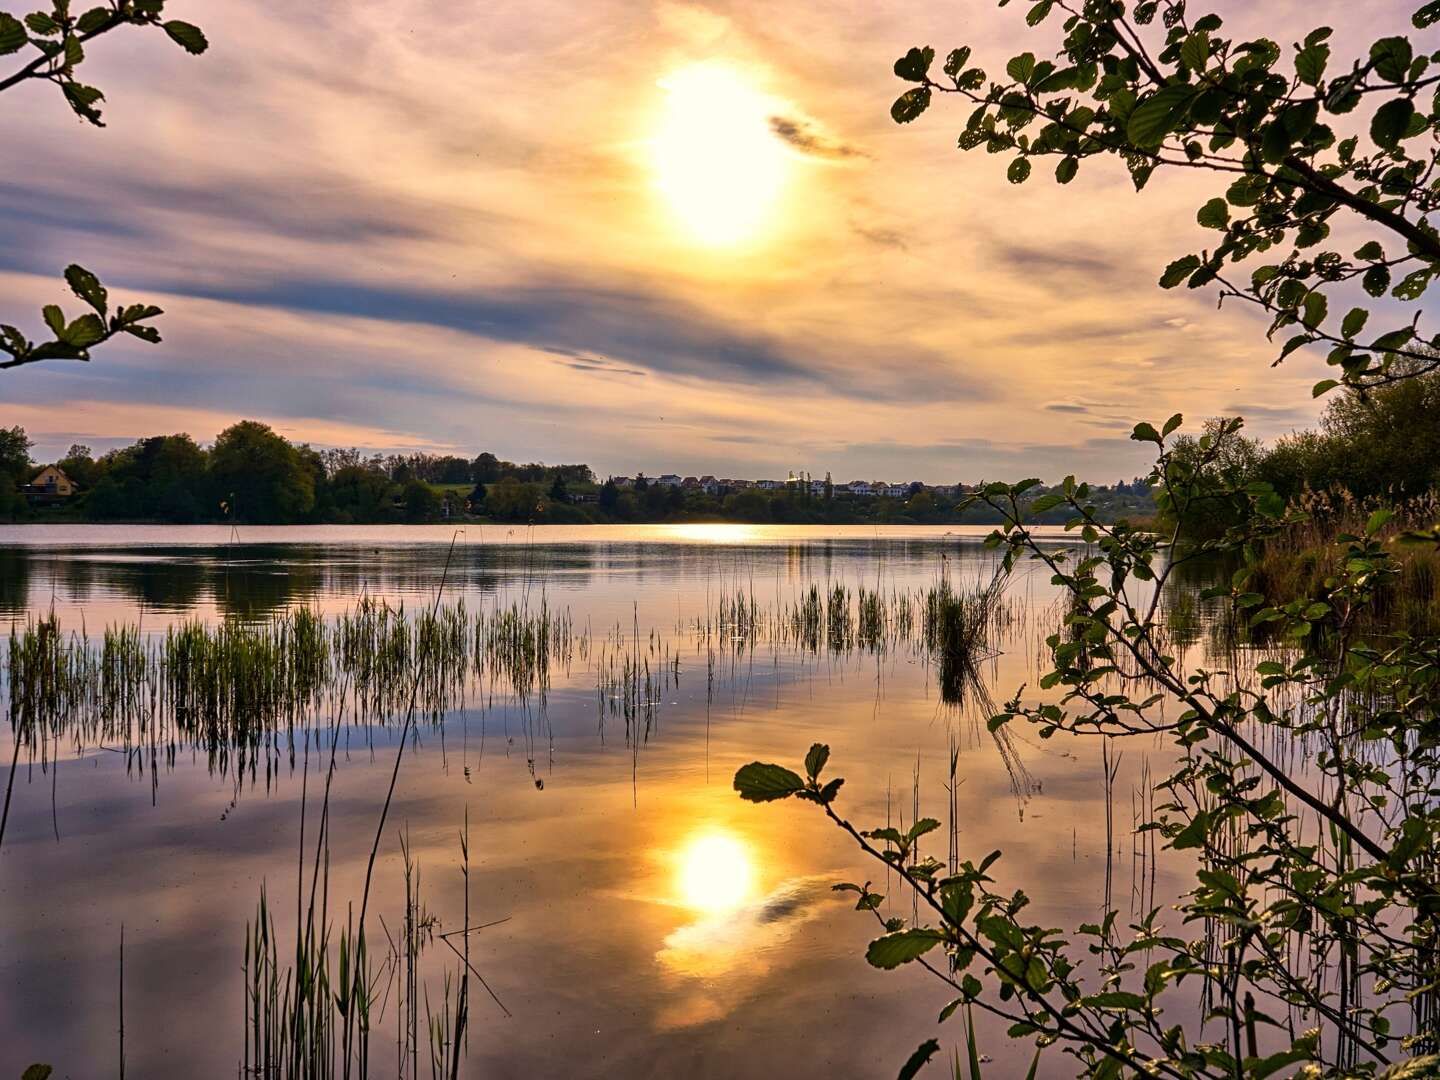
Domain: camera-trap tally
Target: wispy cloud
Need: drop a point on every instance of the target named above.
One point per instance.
(350, 227)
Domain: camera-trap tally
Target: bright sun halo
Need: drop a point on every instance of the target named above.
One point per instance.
(716, 160)
(714, 873)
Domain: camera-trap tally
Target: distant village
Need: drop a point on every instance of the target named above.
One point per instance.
(711, 485)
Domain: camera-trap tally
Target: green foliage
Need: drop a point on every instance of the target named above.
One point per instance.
(37, 1072)
(15, 448)
(1371, 892)
(1384, 444)
(73, 338)
(257, 476)
(58, 38)
(1316, 895)
(1161, 86)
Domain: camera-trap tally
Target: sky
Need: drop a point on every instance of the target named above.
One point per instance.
(651, 236)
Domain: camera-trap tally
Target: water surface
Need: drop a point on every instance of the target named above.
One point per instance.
(654, 924)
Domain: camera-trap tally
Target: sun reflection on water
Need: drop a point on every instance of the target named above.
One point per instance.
(714, 872)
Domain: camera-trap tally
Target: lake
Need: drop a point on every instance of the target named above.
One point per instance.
(638, 918)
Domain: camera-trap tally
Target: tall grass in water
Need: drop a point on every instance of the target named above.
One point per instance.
(959, 627)
(1298, 562)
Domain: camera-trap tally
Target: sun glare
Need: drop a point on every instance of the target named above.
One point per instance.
(714, 874)
(716, 160)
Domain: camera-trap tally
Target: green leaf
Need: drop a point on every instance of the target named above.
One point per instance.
(1173, 423)
(54, 318)
(37, 1072)
(12, 34)
(759, 782)
(1376, 280)
(1324, 386)
(1019, 171)
(190, 38)
(1196, 51)
(1193, 835)
(815, 760)
(1354, 322)
(87, 287)
(1145, 433)
(82, 99)
(145, 333)
(93, 20)
(901, 947)
(1021, 67)
(910, 104)
(40, 23)
(1066, 170)
(956, 61)
(1427, 16)
(1215, 214)
(85, 331)
(915, 64)
(1391, 121)
(1159, 114)
(1178, 271)
(1378, 520)
(918, 1060)
(1310, 63)
(1391, 57)
(1039, 12)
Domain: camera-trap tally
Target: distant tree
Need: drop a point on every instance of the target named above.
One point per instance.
(451, 470)
(359, 493)
(79, 465)
(15, 447)
(58, 38)
(421, 502)
(609, 495)
(476, 499)
(485, 469)
(511, 500)
(558, 491)
(260, 475)
(11, 502)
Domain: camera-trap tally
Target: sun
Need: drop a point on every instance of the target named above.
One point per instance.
(714, 873)
(716, 159)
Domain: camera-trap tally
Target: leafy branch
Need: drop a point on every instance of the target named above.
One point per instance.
(1158, 90)
(74, 338)
(58, 38)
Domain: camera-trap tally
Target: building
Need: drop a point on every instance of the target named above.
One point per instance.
(669, 480)
(49, 485)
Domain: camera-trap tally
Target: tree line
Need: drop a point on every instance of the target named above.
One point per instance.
(251, 474)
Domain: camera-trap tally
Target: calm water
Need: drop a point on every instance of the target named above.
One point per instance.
(655, 925)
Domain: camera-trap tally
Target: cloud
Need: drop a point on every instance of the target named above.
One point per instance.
(346, 225)
(805, 136)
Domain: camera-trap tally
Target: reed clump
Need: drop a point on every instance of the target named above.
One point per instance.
(1298, 562)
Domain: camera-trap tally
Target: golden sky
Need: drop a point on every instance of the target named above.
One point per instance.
(658, 236)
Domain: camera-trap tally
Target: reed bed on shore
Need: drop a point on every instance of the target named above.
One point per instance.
(247, 695)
